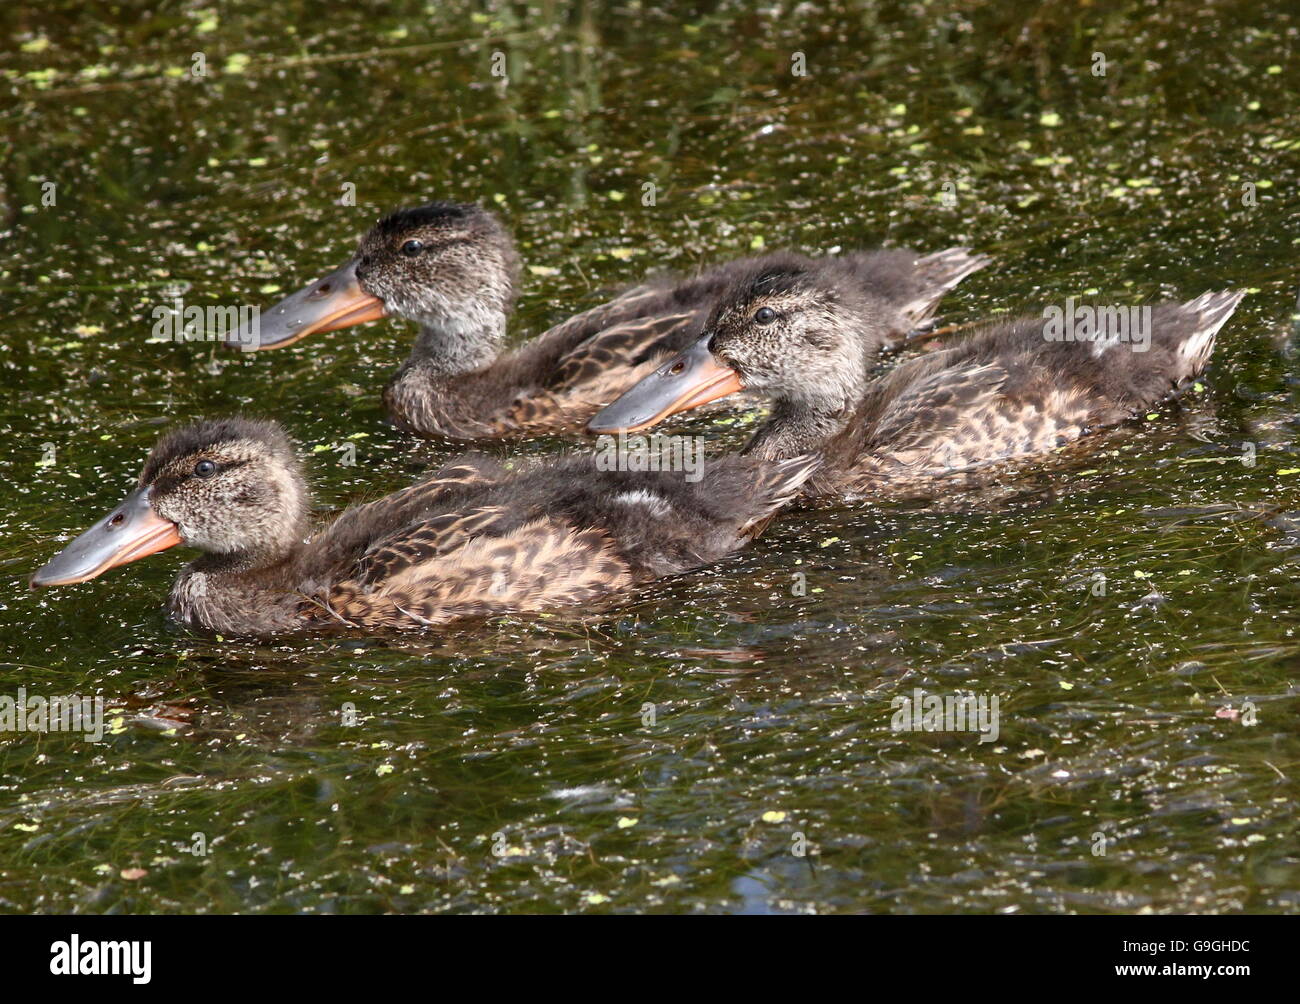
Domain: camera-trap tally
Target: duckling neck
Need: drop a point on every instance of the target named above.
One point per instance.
(238, 594)
(426, 386)
(796, 428)
(454, 347)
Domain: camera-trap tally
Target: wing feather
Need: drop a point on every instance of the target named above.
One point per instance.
(464, 569)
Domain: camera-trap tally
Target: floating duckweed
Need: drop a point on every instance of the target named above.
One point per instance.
(41, 78)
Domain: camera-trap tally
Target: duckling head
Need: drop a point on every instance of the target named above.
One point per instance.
(786, 328)
(793, 333)
(451, 267)
(232, 488)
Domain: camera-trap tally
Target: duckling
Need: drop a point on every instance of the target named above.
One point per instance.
(1010, 390)
(472, 539)
(453, 269)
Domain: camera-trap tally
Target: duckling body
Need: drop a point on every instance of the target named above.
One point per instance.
(453, 269)
(1006, 394)
(471, 540)
(1007, 391)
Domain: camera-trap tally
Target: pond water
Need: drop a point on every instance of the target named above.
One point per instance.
(717, 742)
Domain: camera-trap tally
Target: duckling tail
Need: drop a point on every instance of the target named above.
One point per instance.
(936, 275)
(1208, 313)
(783, 483)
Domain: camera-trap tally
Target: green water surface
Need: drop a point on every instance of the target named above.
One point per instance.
(508, 766)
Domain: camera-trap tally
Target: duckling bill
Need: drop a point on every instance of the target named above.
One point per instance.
(453, 269)
(331, 302)
(472, 539)
(130, 532)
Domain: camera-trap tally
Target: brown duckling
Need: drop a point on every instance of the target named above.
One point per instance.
(472, 539)
(1010, 390)
(453, 269)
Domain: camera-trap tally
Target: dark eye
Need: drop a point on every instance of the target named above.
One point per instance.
(205, 469)
(764, 315)
(412, 248)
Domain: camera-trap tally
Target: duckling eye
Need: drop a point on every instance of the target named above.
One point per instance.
(412, 248)
(205, 469)
(764, 315)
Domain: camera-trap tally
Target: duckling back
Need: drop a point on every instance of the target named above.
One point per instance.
(562, 533)
(1025, 387)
